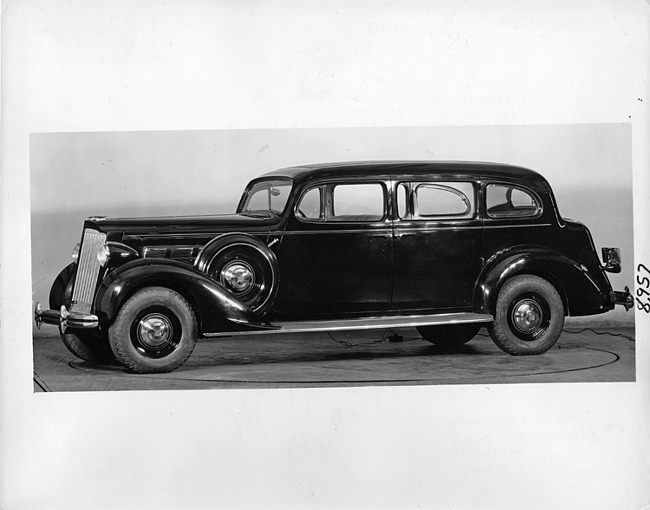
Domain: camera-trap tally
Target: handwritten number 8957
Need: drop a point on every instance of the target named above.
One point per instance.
(642, 293)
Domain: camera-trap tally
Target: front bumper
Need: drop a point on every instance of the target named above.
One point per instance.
(622, 298)
(62, 317)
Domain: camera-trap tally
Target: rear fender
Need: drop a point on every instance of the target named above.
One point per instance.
(580, 293)
(215, 308)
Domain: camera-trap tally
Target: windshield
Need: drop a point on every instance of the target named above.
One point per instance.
(266, 196)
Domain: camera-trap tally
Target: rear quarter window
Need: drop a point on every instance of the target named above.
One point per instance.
(506, 201)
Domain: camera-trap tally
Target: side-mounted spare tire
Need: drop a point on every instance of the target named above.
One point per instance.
(88, 345)
(529, 316)
(245, 266)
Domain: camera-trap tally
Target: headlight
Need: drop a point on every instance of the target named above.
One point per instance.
(75, 252)
(104, 255)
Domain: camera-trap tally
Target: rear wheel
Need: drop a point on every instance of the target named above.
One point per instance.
(451, 335)
(155, 331)
(529, 316)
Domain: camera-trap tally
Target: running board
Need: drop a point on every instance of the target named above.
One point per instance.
(365, 323)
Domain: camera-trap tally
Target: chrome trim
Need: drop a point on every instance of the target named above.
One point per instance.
(155, 331)
(527, 316)
(77, 319)
(444, 187)
(339, 231)
(104, 255)
(366, 323)
(398, 226)
(75, 252)
(539, 202)
(63, 317)
(529, 225)
(181, 252)
(326, 197)
(38, 315)
(267, 256)
(424, 230)
(622, 298)
(87, 271)
(611, 259)
(81, 321)
(237, 276)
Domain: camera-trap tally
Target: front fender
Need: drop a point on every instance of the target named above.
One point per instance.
(216, 309)
(579, 291)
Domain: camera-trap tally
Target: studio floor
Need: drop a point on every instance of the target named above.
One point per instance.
(349, 359)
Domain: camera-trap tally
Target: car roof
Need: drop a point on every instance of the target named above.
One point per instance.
(469, 169)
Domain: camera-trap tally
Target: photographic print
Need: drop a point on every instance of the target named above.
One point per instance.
(334, 255)
(319, 272)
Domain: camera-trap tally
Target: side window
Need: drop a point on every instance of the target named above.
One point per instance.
(268, 195)
(310, 205)
(357, 202)
(503, 201)
(440, 200)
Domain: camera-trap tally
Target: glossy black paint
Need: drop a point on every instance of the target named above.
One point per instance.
(344, 269)
(332, 269)
(215, 308)
(581, 295)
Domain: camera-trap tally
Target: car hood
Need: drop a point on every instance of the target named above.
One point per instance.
(184, 224)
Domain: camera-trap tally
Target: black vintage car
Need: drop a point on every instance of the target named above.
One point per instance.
(447, 247)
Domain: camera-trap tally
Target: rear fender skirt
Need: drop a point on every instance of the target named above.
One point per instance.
(215, 308)
(580, 293)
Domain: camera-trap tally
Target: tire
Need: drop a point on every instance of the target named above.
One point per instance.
(155, 331)
(529, 316)
(61, 291)
(246, 267)
(88, 345)
(452, 335)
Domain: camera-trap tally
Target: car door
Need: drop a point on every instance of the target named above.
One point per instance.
(437, 244)
(335, 254)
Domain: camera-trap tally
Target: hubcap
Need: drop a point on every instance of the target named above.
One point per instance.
(527, 316)
(238, 276)
(155, 331)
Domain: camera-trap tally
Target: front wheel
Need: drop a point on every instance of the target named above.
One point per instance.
(529, 316)
(154, 332)
(90, 346)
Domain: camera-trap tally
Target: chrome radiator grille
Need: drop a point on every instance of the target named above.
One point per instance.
(87, 271)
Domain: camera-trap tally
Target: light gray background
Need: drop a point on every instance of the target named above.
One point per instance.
(75, 175)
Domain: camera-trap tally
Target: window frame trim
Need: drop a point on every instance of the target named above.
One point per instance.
(412, 206)
(327, 197)
(540, 204)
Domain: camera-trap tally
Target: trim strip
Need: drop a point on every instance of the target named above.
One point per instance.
(366, 323)
(530, 225)
(381, 231)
